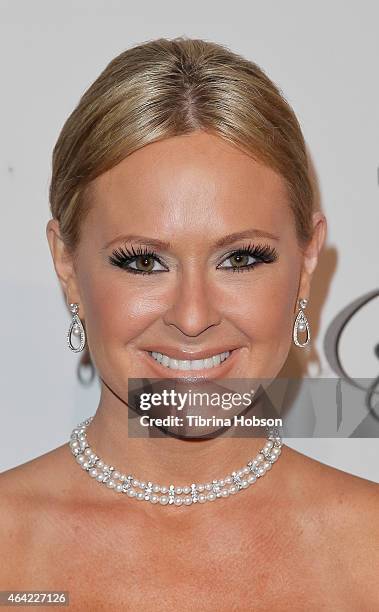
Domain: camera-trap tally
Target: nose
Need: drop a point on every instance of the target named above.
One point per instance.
(194, 307)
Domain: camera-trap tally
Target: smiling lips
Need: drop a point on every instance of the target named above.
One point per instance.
(190, 364)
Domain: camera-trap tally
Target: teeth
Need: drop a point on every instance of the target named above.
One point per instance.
(217, 359)
(190, 364)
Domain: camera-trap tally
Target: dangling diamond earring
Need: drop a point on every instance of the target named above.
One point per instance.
(76, 328)
(301, 324)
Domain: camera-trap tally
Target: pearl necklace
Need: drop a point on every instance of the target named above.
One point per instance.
(172, 495)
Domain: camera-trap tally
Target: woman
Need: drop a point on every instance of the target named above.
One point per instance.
(181, 165)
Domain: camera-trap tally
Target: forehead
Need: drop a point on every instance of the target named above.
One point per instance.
(197, 183)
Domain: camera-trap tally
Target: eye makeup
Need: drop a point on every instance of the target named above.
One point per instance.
(261, 253)
(124, 258)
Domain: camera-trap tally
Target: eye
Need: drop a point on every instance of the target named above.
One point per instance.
(248, 257)
(145, 263)
(239, 260)
(137, 261)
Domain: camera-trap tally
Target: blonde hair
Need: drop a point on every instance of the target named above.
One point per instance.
(164, 88)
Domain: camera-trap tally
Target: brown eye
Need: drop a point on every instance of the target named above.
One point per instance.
(239, 259)
(137, 262)
(249, 257)
(144, 263)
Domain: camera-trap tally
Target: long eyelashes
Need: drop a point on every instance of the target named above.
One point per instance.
(123, 257)
(263, 253)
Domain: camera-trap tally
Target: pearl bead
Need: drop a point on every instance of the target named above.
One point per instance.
(301, 326)
(210, 491)
(76, 329)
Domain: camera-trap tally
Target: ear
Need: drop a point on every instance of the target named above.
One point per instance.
(311, 254)
(64, 262)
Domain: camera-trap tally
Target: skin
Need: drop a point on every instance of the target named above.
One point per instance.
(295, 540)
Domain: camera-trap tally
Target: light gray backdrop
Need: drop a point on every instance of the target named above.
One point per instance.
(323, 55)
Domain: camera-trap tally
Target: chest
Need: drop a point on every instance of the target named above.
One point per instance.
(214, 572)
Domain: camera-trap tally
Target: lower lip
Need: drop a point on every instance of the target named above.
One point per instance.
(215, 372)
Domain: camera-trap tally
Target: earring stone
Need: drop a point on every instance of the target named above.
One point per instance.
(301, 325)
(76, 329)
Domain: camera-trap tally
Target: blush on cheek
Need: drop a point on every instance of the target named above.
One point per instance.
(115, 313)
(267, 323)
(280, 338)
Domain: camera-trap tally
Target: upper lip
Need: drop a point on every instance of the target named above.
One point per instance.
(181, 354)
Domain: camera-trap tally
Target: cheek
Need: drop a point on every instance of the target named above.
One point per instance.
(264, 310)
(116, 312)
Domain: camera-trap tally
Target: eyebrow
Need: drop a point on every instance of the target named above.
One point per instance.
(221, 242)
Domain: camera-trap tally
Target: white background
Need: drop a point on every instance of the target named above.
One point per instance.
(324, 56)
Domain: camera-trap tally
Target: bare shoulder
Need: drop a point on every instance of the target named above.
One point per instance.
(33, 476)
(340, 497)
(25, 491)
(340, 515)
